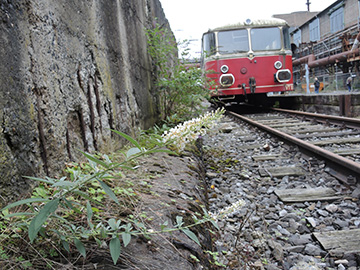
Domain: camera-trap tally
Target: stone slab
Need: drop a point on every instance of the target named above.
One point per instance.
(266, 157)
(311, 129)
(337, 141)
(347, 152)
(281, 171)
(289, 125)
(340, 241)
(306, 194)
(250, 146)
(322, 134)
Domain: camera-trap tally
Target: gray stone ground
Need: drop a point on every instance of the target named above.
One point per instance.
(267, 233)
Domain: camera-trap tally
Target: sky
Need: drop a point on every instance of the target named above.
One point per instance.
(189, 19)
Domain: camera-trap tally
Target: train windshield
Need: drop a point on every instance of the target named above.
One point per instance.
(233, 41)
(264, 39)
(245, 40)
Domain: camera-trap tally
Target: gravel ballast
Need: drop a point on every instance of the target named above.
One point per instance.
(267, 233)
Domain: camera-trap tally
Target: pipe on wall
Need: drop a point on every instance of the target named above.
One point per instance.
(312, 62)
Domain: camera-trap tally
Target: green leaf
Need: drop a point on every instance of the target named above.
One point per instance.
(47, 180)
(103, 232)
(64, 184)
(41, 217)
(70, 205)
(164, 225)
(213, 222)
(179, 221)
(94, 159)
(114, 225)
(26, 201)
(89, 211)
(98, 242)
(124, 167)
(108, 191)
(194, 258)
(66, 245)
(207, 216)
(86, 196)
(115, 249)
(134, 142)
(107, 159)
(80, 247)
(140, 225)
(126, 237)
(19, 214)
(191, 235)
(41, 192)
(132, 151)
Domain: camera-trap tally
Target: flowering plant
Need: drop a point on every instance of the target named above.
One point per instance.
(225, 212)
(178, 137)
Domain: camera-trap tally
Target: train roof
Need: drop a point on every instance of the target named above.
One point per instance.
(252, 23)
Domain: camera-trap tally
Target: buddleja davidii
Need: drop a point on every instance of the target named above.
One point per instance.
(180, 89)
(59, 204)
(163, 50)
(181, 135)
(56, 208)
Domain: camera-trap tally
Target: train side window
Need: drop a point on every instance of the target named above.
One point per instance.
(233, 41)
(264, 39)
(209, 46)
(286, 34)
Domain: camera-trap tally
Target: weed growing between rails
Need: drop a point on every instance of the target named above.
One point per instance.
(75, 212)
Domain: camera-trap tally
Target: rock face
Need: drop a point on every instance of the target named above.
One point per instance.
(70, 71)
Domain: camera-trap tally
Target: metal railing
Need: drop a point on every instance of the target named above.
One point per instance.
(329, 83)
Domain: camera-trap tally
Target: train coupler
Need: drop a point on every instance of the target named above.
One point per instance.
(244, 88)
(252, 84)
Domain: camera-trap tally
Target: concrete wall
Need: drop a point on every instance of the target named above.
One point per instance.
(305, 33)
(69, 72)
(324, 26)
(351, 12)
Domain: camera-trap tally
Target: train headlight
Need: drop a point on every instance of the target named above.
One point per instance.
(283, 75)
(227, 80)
(278, 65)
(224, 68)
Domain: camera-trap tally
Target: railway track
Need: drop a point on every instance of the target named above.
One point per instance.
(298, 212)
(335, 139)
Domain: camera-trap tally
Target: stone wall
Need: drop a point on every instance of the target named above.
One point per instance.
(70, 71)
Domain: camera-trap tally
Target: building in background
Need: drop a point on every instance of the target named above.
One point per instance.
(322, 47)
(295, 19)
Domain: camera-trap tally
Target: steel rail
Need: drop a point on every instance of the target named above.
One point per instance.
(338, 119)
(347, 163)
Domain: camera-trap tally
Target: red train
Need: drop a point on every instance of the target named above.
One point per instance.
(248, 60)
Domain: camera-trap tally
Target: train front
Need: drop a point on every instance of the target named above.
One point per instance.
(248, 59)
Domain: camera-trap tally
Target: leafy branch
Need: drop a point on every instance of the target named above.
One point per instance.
(180, 88)
(58, 202)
